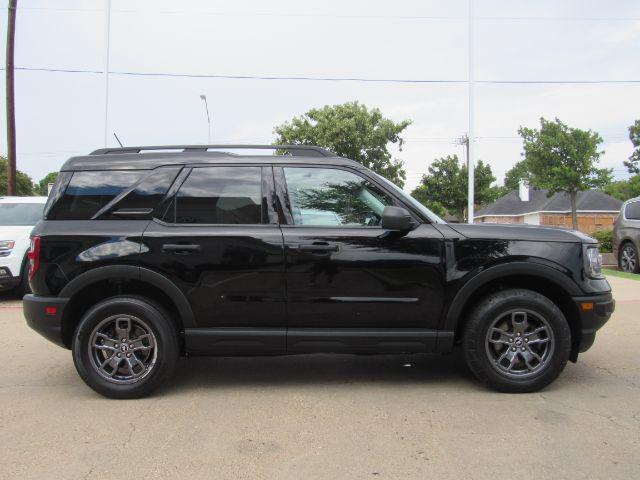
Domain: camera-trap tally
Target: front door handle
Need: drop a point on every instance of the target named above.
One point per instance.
(180, 249)
(315, 247)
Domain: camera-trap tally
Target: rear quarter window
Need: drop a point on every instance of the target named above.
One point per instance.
(632, 211)
(89, 192)
(99, 194)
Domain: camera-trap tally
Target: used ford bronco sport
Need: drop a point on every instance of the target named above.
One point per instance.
(148, 253)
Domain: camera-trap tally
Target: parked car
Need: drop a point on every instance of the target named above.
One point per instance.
(18, 215)
(143, 256)
(626, 233)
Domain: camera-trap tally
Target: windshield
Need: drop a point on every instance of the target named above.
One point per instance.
(410, 200)
(20, 214)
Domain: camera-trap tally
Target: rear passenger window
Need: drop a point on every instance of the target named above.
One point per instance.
(220, 195)
(632, 211)
(88, 192)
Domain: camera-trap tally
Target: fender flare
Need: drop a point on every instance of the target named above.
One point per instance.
(537, 270)
(131, 272)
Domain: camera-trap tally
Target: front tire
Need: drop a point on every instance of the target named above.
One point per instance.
(125, 347)
(517, 341)
(628, 259)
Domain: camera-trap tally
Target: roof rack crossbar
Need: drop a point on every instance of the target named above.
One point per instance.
(294, 150)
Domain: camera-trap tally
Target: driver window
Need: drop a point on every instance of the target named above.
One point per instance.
(333, 197)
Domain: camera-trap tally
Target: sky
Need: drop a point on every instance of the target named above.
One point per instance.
(412, 42)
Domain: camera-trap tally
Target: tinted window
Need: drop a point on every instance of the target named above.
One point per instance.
(221, 195)
(632, 211)
(333, 197)
(88, 192)
(148, 193)
(20, 214)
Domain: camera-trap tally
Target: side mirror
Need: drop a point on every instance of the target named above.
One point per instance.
(397, 219)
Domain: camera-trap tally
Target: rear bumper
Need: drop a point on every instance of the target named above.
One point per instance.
(44, 315)
(594, 311)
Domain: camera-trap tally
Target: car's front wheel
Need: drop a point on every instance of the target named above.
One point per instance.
(517, 340)
(125, 347)
(628, 259)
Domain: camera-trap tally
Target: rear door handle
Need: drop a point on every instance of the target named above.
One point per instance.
(180, 249)
(316, 247)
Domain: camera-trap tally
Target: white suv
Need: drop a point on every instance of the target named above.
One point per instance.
(18, 215)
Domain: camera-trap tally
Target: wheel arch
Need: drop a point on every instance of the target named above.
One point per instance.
(90, 287)
(543, 279)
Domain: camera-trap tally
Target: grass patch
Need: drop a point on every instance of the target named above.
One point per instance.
(618, 273)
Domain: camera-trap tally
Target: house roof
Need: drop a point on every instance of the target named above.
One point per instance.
(588, 200)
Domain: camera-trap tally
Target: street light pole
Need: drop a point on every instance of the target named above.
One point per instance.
(203, 97)
(472, 137)
(107, 28)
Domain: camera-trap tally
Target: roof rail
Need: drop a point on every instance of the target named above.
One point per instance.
(294, 150)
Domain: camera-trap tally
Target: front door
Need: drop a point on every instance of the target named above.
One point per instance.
(348, 277)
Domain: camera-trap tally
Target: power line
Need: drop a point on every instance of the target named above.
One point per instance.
(323, 79)
(348, 16)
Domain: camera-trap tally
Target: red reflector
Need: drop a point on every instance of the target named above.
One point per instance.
(51, 310)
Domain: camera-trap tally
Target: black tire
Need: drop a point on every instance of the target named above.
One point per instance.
(632, 263)
(23, 287)
(140, 315)
(485, 350)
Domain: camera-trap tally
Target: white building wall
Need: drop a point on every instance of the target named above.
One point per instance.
(532, 219)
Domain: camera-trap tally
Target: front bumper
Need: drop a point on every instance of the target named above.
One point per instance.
(44, 315)
(594, 311)
(7, 280)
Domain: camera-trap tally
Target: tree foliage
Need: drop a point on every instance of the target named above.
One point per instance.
(351, 130)
(520, 171)
(444, 187)
(624, 189)
(564, 159)
(43, 185)
(24, 184)
(633, 164)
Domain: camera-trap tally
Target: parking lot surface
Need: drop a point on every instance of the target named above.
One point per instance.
(321, 416)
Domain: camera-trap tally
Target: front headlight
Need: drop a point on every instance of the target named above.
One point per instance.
(593, 261)
(5, 247)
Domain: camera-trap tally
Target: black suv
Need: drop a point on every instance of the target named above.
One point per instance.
(145, 254)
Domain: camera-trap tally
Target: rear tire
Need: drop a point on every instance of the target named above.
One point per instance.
(131, 368)
(517, 341)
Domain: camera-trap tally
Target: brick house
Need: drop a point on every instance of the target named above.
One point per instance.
(532, 206)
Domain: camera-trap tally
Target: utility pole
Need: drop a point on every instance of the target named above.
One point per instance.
(11, 112)
(472, 134)
(107, 29)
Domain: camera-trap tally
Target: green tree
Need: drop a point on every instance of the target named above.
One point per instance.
(513, 176)
(351, 130)
(444, 187)
(24, 184)
(564, 159)
(624, 189)
(633, 164)
(43, 185)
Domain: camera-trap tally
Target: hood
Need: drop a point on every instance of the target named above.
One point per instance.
(532, 233)
(15, 232)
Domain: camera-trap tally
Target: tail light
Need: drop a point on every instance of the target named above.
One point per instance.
(34, 256)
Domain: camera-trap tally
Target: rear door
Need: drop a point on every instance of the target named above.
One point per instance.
(219, 241)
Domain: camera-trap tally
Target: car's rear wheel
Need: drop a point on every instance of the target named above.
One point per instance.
(628, 258)
(517, 341)
(125, 347)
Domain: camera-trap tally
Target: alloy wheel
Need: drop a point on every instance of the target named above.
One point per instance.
(519, 343)
(123, 349)
(628, 259)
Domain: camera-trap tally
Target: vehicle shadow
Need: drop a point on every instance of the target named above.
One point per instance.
(319, 370)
